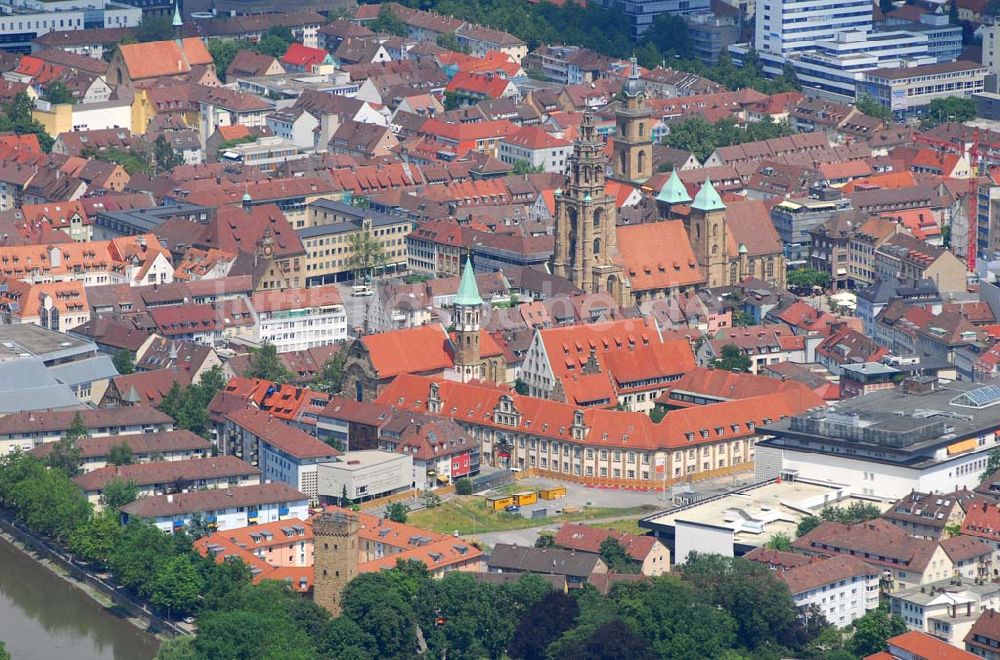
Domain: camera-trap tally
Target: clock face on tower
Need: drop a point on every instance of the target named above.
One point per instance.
(267, 250)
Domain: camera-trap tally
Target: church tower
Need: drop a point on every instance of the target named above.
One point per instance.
(633, 140)
(707, 232)
(468, 311)
(586, 245)
(335, 557)
(673, 193)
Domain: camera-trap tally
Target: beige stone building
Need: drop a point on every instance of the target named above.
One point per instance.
(331, 236)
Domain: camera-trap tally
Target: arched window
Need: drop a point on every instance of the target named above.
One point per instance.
(642, 128)
(715, 248)
(642, 161)
(733, 273)
(598, 218)
(697, 231)
(621, 160)
(715, 230)
(597, 246)
(770, 268)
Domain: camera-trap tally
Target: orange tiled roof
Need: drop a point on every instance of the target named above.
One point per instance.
(658, 256)
(154, 59)
(475, 404)
(888, 181)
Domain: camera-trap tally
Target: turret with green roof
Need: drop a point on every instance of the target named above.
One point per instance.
(708, 199)
(468, 290)
(673, 191)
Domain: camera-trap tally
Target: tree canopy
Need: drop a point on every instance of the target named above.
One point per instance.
(732, 359)
(702, 138)
(807, 278)
(189, 405)
(951, 109)
(266, 365)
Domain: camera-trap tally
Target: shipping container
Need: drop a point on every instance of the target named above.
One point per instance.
(525, 498)
(499, 502)
(552, 493)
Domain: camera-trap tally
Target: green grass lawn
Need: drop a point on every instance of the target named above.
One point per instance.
(469, 515)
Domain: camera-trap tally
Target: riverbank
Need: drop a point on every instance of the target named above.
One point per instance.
(45, 613)
(111, 601)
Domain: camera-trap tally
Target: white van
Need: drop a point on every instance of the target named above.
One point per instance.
(362, 291)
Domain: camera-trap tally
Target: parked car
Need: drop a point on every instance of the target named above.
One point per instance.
(512, 508)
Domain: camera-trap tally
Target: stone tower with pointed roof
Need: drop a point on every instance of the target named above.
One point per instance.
(633, 140)
(468, 311)
(177, 23)
(586, 244)
(673, 193)
(706, 227)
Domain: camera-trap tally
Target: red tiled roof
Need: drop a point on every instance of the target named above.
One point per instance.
(163, 58)
(303, 56)
(534, 137)
(425, 349)
(208, 500)
(167, 472)
(921, 645)
(290, 440)
(474, 404)
(727, 385)
(584, 538)
(161, 442)
(658, 256)
(820, 572)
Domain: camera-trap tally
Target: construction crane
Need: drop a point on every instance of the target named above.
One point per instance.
(974, 154)
(972, 206)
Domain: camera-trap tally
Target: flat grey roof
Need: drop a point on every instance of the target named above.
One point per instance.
(358, 460)
(23, 340)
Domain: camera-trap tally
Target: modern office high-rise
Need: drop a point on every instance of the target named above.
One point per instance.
(785, 27)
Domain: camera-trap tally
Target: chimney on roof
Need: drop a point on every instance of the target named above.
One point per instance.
(170, 498)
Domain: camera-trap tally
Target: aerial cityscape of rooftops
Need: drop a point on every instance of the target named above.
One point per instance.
(507, 329)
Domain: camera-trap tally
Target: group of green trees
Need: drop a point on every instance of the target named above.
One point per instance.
(606, 31)
(188, 405)
(266, 364)
(716, 607)
(163, 569)
(701, 137)
(140, 158)
(854, 513)
(807, 278)
(273, 43)
(952, 109)
(15, 116)
(731, 358)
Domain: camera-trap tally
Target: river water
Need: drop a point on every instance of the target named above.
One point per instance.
(42, 617)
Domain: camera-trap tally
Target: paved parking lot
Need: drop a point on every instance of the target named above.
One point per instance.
(579, 495)
(355, 306)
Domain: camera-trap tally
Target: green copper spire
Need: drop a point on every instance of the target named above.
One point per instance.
(178, 22)
(707, 198)
(468, 290)
(673, 191)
